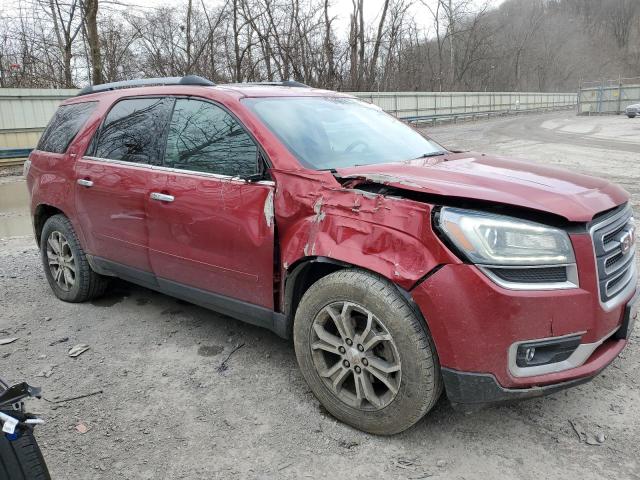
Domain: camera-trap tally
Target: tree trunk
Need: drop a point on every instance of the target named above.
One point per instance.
(376, 46)
(188, 35)
(91, 14)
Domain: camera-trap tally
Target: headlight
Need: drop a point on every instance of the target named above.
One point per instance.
(497, 240)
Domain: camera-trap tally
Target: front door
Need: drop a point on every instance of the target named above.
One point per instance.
(211, 231)
(112, 180)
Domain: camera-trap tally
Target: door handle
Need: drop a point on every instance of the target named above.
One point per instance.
(85, 183)
(162, 197)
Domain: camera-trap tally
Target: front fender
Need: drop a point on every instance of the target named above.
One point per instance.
(388, 235)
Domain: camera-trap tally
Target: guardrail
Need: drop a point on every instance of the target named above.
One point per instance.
(454, 117)
(430, 104)
(13, 156)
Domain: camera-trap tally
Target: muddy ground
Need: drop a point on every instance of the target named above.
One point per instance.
(170, 409)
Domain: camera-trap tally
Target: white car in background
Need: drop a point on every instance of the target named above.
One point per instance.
(632, 110)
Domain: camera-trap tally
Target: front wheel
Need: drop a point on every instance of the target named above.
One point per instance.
(364, 352)
(631, 116)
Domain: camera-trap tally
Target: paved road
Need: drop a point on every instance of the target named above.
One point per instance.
(168, 411)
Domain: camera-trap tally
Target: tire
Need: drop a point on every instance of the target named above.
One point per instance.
(366, 299)
(631, 116)
(77, 287)
(21, 459)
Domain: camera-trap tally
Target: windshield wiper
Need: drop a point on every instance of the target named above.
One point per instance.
(431, 154)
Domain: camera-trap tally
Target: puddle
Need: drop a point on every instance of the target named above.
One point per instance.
(14, 209)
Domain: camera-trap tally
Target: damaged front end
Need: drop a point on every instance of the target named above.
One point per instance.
(373, 229)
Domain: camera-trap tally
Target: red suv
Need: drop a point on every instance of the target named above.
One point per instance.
(398, 268)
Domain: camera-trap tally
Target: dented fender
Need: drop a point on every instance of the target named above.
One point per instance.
(392, 236)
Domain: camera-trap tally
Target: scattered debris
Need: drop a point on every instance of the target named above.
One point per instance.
(575, 429)
(404, 462)
(60, 340)
(286, 465)
(97, 392)
(7, 341)
(587, 437)
(47, 373)
(348, 444)
(82, 428)
(224, 366)
(78, 349)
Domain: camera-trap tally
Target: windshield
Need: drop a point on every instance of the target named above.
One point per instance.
(332, 132)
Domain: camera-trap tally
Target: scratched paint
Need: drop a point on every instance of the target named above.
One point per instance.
(268, 209)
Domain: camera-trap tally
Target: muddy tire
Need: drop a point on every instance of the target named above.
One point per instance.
(65, 263)
(365, 353)
(21, 459)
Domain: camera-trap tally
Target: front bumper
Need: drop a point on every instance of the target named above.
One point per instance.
(475, 322)
(468, 391)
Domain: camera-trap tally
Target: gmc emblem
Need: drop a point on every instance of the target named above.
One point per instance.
(626, 240)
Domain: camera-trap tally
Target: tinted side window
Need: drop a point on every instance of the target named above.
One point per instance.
(134, 129)
(204, 138)
(64, 126)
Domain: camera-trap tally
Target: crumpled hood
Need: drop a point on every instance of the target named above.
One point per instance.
(476, 176)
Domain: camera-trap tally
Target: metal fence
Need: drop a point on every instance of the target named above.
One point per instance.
(413, 106)
(608, 96)
(24, 113)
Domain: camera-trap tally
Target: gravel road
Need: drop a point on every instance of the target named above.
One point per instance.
(187, 393)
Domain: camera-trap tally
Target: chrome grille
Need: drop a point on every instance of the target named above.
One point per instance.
(614, 246)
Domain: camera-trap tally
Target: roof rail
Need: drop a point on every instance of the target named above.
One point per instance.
(142, 82)
(281, 83)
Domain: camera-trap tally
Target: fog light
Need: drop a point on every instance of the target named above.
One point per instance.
(544, 352)
(529, 354)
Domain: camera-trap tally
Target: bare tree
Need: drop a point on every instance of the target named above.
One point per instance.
(519, 45)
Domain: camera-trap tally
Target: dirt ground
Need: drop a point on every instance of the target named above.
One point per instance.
(170, 409)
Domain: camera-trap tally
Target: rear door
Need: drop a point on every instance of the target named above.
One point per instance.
(112, 180)
(210, 231)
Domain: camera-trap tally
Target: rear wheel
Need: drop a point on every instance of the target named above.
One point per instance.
(21, 459)
(65, 263)
(631, 116)
(365, 354)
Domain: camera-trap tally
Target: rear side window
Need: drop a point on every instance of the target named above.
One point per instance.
(64, 126)
(134, 130)
(205, 138)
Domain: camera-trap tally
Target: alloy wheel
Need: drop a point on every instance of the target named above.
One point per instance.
(355, 356)
(61, 261)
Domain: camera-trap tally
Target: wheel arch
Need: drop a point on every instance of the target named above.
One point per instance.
(40, 215)
(300, 276)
